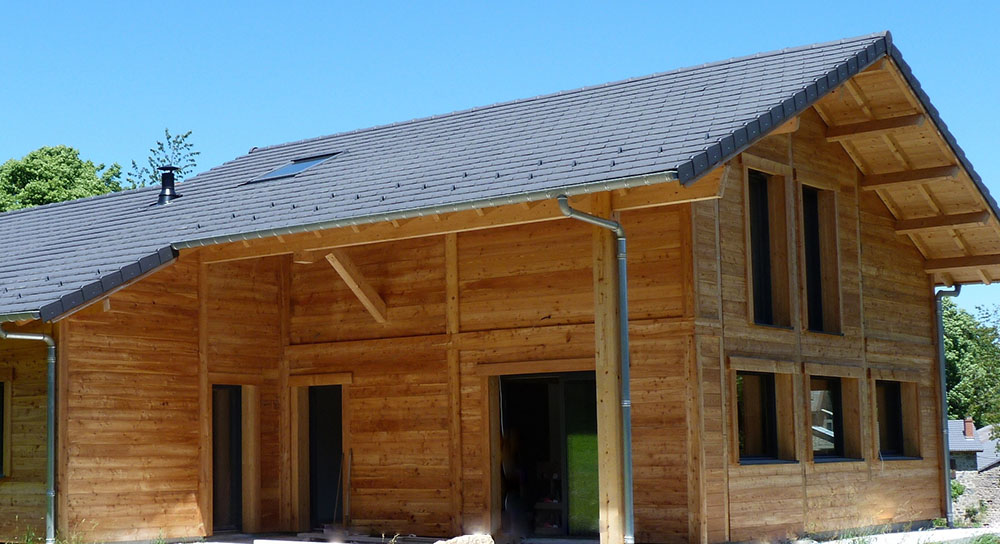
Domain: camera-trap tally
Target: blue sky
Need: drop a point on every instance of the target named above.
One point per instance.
(108, 77)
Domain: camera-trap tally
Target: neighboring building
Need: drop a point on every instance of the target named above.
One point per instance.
(982, 484)
(964, 445)
(398, 329)
(989, 458)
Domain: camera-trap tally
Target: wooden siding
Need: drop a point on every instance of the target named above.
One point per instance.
(22, 492)
(883, 293)
(131, 427)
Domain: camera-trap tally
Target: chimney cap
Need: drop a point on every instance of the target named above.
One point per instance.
(168, 168)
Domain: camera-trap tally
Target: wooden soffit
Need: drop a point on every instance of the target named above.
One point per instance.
(905, 159)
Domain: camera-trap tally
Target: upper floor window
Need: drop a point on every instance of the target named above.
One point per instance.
(768, 241)
(819, 244)
(764, 420)
(835, 424)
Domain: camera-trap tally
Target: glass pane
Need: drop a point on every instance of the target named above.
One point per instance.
(581, 457)
(826, 417)
(292, 168)
(757, 420)
(890, 417)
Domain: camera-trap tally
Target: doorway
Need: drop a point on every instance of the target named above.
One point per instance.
(227, 458)
(548, 467)
(326, 455)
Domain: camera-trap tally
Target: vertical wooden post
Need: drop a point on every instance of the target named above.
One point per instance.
(454, 379)
(251, 459)
(205, 405)
(62, 419)
(284, 397)
(299, 453)
(607, 354)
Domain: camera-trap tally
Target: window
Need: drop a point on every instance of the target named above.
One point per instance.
(819, 244)
(757, 421)
(768, 249)
(827, 417)
(896, 405)
(835, 422)
(763, 413)
(293, 168)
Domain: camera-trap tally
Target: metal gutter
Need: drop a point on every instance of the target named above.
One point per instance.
(50, 427)
(19, 316)
(626, 387)
(946, 448)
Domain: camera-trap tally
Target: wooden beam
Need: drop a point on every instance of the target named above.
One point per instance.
(251, 458)
(607, 346)
(787, 127)
(352, 276)
(647, 196)
(304, 257)
(873, 128)
(874, 182)
(959, 263)
(960, 220)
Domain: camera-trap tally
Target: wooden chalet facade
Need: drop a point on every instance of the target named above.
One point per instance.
(859, 202)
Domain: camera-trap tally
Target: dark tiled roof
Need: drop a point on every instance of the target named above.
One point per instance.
(957, 441)
(990, 456)
(674, 125)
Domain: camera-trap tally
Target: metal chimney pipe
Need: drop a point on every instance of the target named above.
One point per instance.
(167, 192)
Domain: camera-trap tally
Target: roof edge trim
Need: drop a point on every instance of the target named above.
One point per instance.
(587, 188)
(742, 138)
(126, 274)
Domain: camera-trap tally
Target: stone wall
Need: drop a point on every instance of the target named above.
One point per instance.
(983, 486)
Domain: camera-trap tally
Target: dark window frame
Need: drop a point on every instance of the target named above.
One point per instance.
(835, 387)
(769, 422)
(767, 224)
(820, 259)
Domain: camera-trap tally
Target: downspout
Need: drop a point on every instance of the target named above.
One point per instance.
(946, 454)
(50, 430)
(622, 280)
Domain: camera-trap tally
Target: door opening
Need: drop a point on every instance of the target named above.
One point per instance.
(227, 458)
(548, 426)
(326, 456)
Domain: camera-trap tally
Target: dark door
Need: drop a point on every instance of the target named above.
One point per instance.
(326, 501)
(549, 455)
(227, 458)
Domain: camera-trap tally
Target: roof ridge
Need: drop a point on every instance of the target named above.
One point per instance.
(731, 60)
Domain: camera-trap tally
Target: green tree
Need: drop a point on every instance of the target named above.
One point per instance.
(53, 174)
(972, 371)
(174, 150)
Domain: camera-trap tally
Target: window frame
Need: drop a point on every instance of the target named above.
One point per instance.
(852, 380)
(779, 188)
(786, 398)
(828, 255)
(909, 417)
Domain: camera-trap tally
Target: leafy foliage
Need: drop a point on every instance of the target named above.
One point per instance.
(972, 372)
(957, 489)
(174, 150)
(53, 174)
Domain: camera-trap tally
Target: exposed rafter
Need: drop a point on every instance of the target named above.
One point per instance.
(877, 127)
(909, 177)
(352, 276)
(960, 220)
(960, 263)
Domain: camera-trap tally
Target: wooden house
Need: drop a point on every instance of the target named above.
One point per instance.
(399, 329)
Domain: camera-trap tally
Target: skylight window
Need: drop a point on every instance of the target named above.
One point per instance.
(293, 168)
